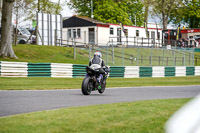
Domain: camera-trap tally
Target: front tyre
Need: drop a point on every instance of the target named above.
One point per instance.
(103, 87)
(87, 85)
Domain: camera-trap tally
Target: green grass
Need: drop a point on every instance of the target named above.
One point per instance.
(53, 54)
(132, 117)
(48, 54)
(197, 61)
(141, 57)
(38, 83)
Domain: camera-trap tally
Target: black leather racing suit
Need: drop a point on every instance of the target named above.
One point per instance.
(97, 60)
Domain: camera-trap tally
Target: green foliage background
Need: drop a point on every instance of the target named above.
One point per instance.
(111, 11)
(188, 12)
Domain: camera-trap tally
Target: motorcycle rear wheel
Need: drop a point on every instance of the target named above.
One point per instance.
(87, 85)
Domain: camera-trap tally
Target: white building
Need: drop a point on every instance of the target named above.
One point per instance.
(89, 31)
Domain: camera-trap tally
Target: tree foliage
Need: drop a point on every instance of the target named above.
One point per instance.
(45, 6)
(188, 12)
(164, 9)
(111, 11)
(147, 4)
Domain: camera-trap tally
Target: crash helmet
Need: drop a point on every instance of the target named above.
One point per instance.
(98, 53)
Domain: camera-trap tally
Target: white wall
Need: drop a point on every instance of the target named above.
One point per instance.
(103, 35)
(84, 38)
(132, 39)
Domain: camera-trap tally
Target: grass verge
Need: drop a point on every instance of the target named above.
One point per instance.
(48, 54)
(38, 83)
(131, 117)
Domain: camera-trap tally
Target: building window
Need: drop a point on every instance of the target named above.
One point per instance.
(111, 31)
(69, 33)
(74, 33)
(78, 33)
(137, 33)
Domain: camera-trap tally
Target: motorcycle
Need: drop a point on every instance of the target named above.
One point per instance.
(94, 79)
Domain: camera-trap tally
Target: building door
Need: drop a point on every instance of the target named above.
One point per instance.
(91, 36)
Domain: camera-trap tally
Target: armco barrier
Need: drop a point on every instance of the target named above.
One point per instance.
(170, 71)
(79, 70)
(197, 70)
(190, 71)
(61, 70)
(117, 71)
(158, 72)
(13, 69)
(24, 69)
(145, 72)
(131, 72)
(39, 69)
(180, 71)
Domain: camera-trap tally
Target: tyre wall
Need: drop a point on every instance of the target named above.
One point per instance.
(24, 69)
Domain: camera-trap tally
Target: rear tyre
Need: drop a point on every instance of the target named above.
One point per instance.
(87, 86)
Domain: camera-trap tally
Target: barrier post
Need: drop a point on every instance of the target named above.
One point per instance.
(113, 56)
(122, 55)
(74, 43)
(107, 54)
(138, 55)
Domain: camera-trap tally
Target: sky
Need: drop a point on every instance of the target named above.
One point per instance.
(66, 12)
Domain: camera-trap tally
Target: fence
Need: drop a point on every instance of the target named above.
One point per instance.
(88, 37)
(140, 56)
(24, 69)
(150, 55)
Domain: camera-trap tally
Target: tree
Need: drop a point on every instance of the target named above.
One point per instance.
(147, 4)
(164, 8)
(187, 13)
(45, 6)
(6, 49)
(111, 11)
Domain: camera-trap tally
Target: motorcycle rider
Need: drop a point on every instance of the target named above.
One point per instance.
(97, 60)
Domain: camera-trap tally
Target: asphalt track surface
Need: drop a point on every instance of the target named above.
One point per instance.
(25, 101)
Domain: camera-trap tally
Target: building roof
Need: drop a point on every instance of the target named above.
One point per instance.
(82, 21)
(90, 19)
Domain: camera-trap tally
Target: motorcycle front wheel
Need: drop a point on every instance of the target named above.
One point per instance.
(103, 87)
(87, 86)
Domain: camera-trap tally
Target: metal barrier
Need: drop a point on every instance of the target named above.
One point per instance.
(39, 69)
(24, 69)
(13, 69)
